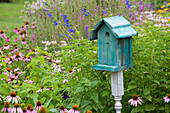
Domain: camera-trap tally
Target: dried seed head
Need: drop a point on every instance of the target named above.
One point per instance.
(135, 97)
(16, 105)
(7, 105)
(43, 110)
(13, 94)
(75, 107)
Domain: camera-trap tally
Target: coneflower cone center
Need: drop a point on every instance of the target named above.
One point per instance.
(169, 96)
(7, 105)
(13, 94)
(24, 110)
(75, 107)
(135, 97)
(43, 110)
(62, 107)
(31, 109)
(29, 106)
(38, 103)
(16, 105)
(12, 78)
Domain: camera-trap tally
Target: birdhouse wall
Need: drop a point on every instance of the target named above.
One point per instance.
(125, 51)
(107, 44)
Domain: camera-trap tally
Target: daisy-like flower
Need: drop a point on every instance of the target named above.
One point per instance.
(26, 24)
(15, 30)
(38, 105)
(16, 39)
(7, 39)
(16, 49)
(18, 31)
(167, 98)
(22, 28)
(62, 109)
(43, 110)
(13, 96)
(135, 100)
(23, 41)
(6, 46)
(2, 34)
(16, 109)
(33, 25)
(21, 34)
(6, 108)
(74, 109)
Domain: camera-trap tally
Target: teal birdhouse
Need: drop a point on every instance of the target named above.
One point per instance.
(114, 36)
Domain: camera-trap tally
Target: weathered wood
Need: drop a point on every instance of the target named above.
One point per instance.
(117, 89)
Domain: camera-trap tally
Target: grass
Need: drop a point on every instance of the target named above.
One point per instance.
(10, 12)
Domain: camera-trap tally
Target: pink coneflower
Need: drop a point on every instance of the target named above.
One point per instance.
(15, 30)
(23, 41)
(13, 96)
(38, 105)
(12, 51)
(2, 34)
(16, 39)
(167, 98)
(74, 109)
(6, 46)
(26, 24)
(43, 110)
(33, 25)
(135, 100)
(16, 49)
(64, 81)
(16, 109)
(6, 108)
(10, 79)
(22, 28)
(7, 39)
(21, 34)
(62, 109)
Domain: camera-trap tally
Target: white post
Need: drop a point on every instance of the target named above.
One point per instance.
(117, 89)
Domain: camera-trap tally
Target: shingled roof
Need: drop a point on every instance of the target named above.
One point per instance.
(118, 25)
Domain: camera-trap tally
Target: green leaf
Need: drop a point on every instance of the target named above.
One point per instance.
(79, 89)
(41, 58)
(70, 105)
(43, 100)
(46, 104)
(131, 87)
(30, 54)
(104, 93)
(146, 91)
(94, 83)
(34, 99)
(4, 76)
(150, 107)
(53, 110)
(95, 97)
(4, 64)
(166, 106)
(161, 108)
(87, 108)
(148, 97)
(156, 82)
(85, 103)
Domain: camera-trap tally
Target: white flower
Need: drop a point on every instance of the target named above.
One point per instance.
(53, 42)
(46, 48)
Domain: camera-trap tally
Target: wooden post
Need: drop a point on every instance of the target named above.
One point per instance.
(117, 89)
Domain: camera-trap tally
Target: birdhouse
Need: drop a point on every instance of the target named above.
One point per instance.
(114, 36)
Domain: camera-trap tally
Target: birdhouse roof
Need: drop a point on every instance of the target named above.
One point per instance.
(118, 25)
